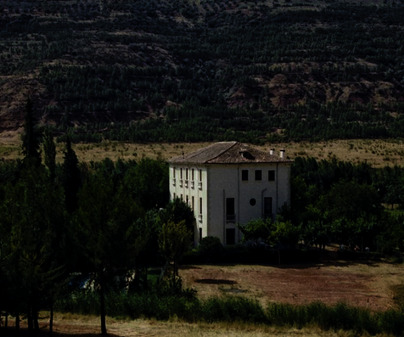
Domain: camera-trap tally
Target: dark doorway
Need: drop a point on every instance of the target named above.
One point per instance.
(230, 236)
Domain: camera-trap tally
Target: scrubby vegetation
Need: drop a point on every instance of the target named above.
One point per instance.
(206, 70)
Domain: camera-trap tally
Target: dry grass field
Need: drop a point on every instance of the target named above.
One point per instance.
(88, 326)
(378, 153)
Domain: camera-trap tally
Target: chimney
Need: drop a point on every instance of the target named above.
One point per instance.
(282, 153)
(271, 152)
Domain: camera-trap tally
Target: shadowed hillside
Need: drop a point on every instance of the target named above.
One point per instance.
(204, 69)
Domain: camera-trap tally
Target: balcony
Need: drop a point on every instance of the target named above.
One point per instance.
(174, 182)
(186, 183)
(192, 184)
(200, 217)
(200, 185)
(181, 182)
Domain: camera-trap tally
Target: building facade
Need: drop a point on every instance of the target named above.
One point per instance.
(230, 183)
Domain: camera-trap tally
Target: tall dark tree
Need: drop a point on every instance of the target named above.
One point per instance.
(352, 210)
(173, 243)
(71, 177)
(30, 137)
(148, 183)
(105, 225)
(177, 211)
(31, 211)
(50, 153)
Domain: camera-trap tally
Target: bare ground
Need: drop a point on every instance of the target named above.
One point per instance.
(362, 284)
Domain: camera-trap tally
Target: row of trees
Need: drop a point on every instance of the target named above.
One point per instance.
(356, 206)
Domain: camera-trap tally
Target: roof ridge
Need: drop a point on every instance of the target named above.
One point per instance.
(224, 151)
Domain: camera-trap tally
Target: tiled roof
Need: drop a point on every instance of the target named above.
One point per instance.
(228, 153)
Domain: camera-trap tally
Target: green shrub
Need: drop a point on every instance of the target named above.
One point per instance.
(210, 247)
(281, 314)
(391, 321)
(231, 309)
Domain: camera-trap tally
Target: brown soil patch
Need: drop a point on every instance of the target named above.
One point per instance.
(362, 285)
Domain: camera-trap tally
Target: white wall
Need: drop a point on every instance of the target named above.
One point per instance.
(224, 181)
(196, 188)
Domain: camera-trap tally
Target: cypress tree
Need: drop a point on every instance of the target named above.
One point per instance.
(30, 137)
(50, 153)
(71, 177)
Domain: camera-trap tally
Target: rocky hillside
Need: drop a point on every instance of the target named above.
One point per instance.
(274, 66)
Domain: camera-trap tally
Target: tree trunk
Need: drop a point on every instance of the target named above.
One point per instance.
(136, 282)
(51, 319)
(102, 304)
(17, 321)
(30, 319)
(35, 317)
(163, 271)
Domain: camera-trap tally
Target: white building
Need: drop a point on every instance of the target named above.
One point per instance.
(230, 183)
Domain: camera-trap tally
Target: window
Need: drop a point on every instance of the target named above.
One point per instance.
(200, 205)
(271, 175)
(187, 199)
(174, 180)
(253, 202)
(186, 174)
(230, 210)
(200, 235)
(244, 175)
(200, 180)
(192, 178)
(258, 175)
(193, 203)
(267, 207)
(230, 236)
(181, 173)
